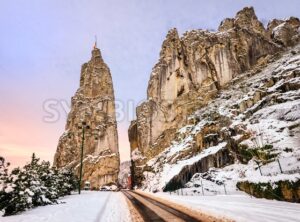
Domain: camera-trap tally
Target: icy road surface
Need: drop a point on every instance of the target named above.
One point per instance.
(90, 206)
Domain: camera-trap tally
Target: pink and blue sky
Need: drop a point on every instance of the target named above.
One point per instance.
(44, 42)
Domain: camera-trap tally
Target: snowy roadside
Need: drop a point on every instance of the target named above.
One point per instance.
(239, 207)
(90, 206)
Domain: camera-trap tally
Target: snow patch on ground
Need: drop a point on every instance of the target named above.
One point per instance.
(90, 206)
(239, 207)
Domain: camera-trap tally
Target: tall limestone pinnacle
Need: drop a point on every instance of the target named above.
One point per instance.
(94, 105)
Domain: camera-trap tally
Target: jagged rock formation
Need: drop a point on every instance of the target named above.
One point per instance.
(254, 121)
(191, 72)
(93, 104)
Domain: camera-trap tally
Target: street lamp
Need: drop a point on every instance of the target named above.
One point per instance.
(84, 126)
(96, 132)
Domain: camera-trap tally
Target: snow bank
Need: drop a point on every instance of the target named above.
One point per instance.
(90, 206)
(240, 207)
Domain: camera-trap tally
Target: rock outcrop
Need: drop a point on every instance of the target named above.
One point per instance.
(192, 70)
(284, 32)
(281, 190)
(94, 106)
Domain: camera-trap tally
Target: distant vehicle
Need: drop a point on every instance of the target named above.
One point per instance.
(87, 185)
(104, 188)
(112, 187)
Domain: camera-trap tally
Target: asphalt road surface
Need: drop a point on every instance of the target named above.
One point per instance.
(152, 210)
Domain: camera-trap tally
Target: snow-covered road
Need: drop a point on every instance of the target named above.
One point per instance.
(90, 206)
(93, 206)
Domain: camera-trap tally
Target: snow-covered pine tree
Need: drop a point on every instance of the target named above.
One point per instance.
(49, 179)
(34, 185)
(3, 174)
(66, 182)
(15, 196)
(33, 178)
(3, 171)
(24, 189)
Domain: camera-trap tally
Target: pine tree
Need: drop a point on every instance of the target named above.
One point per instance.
(3, 171)
(36, 184)
(66, 182)
(15, 196)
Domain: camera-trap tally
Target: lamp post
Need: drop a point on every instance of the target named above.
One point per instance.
(96, 132)
(84, 126)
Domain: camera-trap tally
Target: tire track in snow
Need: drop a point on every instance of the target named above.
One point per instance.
(99, 216)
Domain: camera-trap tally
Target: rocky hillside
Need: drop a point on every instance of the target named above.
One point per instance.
(215, 99)
(92, 110)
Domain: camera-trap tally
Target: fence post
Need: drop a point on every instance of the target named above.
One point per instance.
(258, 167)
(279, 166)
(202, 187)
(259, 170)
(225, 189)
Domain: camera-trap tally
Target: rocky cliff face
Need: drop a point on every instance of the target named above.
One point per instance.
(93, 104)
(192, 71)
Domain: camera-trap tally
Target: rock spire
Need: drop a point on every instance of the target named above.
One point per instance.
(94, 105)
